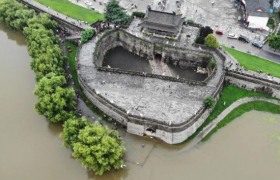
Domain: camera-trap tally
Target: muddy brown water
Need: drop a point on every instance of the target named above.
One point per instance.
(30, 147)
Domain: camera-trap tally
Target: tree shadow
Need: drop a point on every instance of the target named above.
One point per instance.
(18, 37)
(112, 175)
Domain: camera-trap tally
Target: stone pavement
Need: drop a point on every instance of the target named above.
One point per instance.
(164, 101)
(160, 68)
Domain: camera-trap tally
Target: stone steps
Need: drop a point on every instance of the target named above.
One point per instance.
(160, 68)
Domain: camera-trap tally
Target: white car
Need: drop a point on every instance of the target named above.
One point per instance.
(232, 36)
(88, 3)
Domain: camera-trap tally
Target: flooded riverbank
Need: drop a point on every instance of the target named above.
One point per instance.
(248, 148)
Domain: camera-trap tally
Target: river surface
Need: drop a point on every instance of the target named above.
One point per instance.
(30, 147)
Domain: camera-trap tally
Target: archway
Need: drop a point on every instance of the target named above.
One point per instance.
(150, 131)
(158, 57)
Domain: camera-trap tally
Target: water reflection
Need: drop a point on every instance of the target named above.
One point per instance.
(55, 129)
(14, 36)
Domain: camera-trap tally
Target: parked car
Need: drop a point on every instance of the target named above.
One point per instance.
(88, 3)
(232, 36)
(244, 39)
(219, 32)
(257, 44)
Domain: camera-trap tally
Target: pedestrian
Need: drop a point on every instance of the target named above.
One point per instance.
(196, 10)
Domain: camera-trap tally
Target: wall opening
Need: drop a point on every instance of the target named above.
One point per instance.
(158, 57)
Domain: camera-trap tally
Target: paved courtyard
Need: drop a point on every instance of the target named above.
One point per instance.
(165, 101)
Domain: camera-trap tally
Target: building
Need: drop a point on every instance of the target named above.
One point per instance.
(163, 23)
(256, 13)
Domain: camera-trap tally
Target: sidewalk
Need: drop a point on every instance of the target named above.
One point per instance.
(56, 14)
(271, 50)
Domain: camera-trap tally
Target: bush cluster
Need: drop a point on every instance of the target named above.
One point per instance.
(86, 35)
(55, 101)
(105, 148)
(200, 40)
(138, 14)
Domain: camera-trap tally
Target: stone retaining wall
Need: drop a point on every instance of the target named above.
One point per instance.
(251, 83)
(168, 132)
(171, 55)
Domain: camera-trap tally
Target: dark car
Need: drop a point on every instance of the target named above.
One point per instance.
(244, 39)
(257, 44)
(219, 32)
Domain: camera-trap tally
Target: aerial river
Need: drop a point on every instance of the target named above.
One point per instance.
(30, 147)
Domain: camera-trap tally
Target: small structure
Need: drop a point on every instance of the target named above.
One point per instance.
(163, 23)
(256, 13)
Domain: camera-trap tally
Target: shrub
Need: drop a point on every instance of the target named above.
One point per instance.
(270, 23)
(86, 35)
(211, 41)
(138, 14)
(190, 21)
(200, 40)
(212, 64)
(209, 102)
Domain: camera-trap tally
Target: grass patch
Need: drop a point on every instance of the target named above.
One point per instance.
(237, 112)
(254, 63)
(72, 65)
(72, 10)
(229, 95)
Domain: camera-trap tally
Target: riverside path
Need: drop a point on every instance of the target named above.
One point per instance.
(55, 14)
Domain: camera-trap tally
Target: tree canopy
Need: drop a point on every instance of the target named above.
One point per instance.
(99, 148)
(115, 13)
(71, 130)
(86, 35)
(209, 102)
(15, 15)
(274, 42)
(54, 101)
(211, 41)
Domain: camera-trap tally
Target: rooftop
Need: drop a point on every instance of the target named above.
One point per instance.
(257, 8)
(163, 21)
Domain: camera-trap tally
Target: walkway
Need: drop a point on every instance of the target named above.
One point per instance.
(216, 121)
(160, 68)
(56, 14)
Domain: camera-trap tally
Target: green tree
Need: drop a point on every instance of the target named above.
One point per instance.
(211, 41)
(200, 40)
(274, 42)
(14, 14)
(212, 64)
(209, 102)
(115, 13)
(54, 102)
(71, 130)
(86, 35)
(99, 148)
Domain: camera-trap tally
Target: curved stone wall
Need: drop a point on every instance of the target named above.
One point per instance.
(170, 55)
(175, 110)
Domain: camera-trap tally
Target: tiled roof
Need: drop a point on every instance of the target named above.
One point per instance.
(163, 21)
(257, 8)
